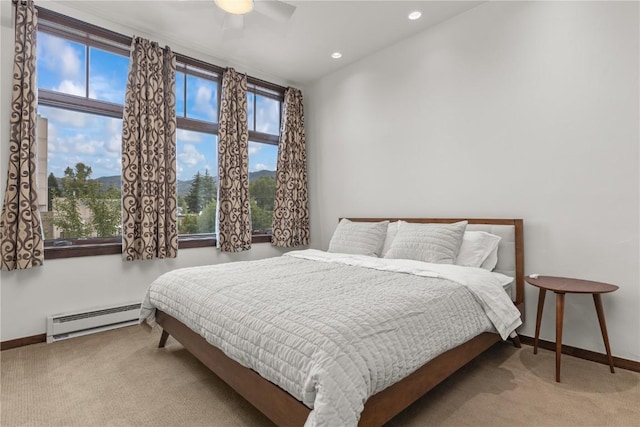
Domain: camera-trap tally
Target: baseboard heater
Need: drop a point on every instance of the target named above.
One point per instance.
(70, 325)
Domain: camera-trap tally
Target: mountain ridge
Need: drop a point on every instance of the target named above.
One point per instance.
(182, 186)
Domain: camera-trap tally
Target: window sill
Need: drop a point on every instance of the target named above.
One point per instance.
(113, 248)
(79, 250)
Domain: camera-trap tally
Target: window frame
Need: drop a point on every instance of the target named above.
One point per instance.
(59, 25)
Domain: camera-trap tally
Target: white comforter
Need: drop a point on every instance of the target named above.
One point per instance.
(333, 329)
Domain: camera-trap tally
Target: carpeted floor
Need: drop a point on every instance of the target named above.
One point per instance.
(120, 378)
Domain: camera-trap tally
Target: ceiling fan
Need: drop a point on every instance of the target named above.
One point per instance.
(231, 13)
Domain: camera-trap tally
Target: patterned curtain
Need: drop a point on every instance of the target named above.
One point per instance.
(149, 155)
(233, 216)
(291, 205)
(21, 240)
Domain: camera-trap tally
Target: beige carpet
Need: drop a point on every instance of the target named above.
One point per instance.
(120, 378)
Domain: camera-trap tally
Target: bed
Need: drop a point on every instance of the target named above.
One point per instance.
(277, 402)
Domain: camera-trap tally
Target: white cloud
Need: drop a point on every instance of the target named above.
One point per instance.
(268, 117)
(59, 56)
(188, 136)
(60, 147)
(254, 147)
(203, 102)
(52, 131)
(107, 166)
(113, 131)
(62, 117)
(114, 146)
(67, 86)
(56, 145)
(71, 63)
(103, 89)
(190, 155)
(81, 144)
(76, 137)
(259, 167)
(69, 161)
(203, 96)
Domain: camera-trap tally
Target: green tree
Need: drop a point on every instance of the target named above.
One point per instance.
(261, 219)
(53, 190)
(202, 191)
(106, 213)
(193, 199)
(78, 190)
(66, 213)
(263, 191)
(78, 182)
(207, 219)
(188, 224)
(182, 204)
(208, 190)
(66, 216)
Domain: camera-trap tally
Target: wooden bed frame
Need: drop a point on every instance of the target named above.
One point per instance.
(285, 410)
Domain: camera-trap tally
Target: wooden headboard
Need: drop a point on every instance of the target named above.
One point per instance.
(518, 246)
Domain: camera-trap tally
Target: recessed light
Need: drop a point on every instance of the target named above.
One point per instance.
(336, 55)
(416, 14)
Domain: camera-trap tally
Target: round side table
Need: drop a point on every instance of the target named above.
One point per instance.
(561, 286)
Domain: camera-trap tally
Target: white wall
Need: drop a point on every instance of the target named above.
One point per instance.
(27, 297)
(512, 109)
(72, 284)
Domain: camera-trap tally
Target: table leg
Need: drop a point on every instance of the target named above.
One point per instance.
(559, 320)
(603, 328)
(541, 295)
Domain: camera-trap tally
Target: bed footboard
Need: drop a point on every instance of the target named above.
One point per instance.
(285, 410)
(278, 405)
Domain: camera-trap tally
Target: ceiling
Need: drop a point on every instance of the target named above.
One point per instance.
(295, 52)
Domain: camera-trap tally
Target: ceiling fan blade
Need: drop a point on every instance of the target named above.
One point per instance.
(275, 9)
(233, 22)
(229, 35)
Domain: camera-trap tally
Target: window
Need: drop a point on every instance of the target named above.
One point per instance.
(83, 174)
(81, 81)
(264, 111)
(196, 186)
(82, 77)
(197, 147)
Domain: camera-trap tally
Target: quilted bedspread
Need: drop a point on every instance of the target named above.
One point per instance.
(333, 329)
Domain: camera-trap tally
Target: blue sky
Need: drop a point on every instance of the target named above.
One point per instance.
(94, 140)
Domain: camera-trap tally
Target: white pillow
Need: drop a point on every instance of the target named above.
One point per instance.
(392, 230)
(360, 238)
(476, 248)
(491, 261)
(436, 243)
